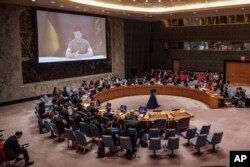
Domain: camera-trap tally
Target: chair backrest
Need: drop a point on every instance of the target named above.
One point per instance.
(84, 128)
(94, 131)
(191, 133)
(173, 143)
(42, 99)
(72, 123)
(205, 129)
(104, 120)
(125, 143)
(47, 125)
(217, 138)
(201, 140)
(153, 133)
(36, 108)
(160, 123)
(54, 128)
(70, 134)
(46, 98)
(154, 143)
(183, 122)
(80, 138)
(108, 141)
(39, 119)
(169, 133)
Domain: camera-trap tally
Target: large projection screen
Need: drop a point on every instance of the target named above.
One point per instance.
(70, 37)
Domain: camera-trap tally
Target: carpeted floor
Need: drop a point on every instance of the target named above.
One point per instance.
(234, 122)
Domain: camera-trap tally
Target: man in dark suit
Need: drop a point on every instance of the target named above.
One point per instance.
(13, 149)
(108, 114)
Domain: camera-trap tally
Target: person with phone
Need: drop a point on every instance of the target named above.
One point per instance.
(13, 149)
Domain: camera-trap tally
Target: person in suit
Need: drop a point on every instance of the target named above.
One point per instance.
(108, 131)
(108, 114)
(60, 125)
(13, 149)
(76, 117)
(152, 102)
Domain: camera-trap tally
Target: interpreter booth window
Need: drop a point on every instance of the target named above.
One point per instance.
(247, 46)
(231, 19)
(208, 20)
(236, 46)
(187, 46)
(223, 19)
(215, 20)
(240, 18)
(248, 18)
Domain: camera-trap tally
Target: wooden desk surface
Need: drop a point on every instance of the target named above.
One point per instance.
(151, 116)
(207, 97)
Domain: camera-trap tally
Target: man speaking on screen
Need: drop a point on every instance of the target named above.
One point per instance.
(78, 47)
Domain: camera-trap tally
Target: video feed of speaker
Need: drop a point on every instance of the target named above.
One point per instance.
(70, 37)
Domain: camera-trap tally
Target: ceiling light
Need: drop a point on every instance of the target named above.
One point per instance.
(107, 12)
(160, 9)
(61, 6)
(103, 10)
(53, 1)
(217, 11)
(194, 12)
(33, 0)
(84, 10)
(242, 8)
(133, 0)
(77, 7)
(159, 0)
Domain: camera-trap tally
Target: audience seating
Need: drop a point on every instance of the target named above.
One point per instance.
(199, 142)
(94, 131)
(82, 141)
(215, 139)
(108, 141)
(85, 128)
(70, 136)
(48, 127)
(169, 133)
(189, 134)
(55, 130)
(183, 123)
(204, 130)
(153, 133)
(154, 144)
(125, 143)
(172, 144)
(72, 124)
(161, 124)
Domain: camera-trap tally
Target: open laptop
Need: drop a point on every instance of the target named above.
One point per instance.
(142, 109)
(108, 105)
(123, 108)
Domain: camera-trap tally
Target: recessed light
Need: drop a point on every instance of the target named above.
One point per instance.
(217, 11)
(194, 12)
(103, 10)
(77, 7)
(159, 0)
(33, 0)
(53, 1)
(107, 12)
(61, 6)
(146, 1)
(84, 9)
(133, 0)
(242, 8)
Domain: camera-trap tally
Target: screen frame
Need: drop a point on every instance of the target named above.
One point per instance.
(36, 52)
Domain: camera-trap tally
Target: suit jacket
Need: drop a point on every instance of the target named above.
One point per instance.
(108, 115)
(11, 147)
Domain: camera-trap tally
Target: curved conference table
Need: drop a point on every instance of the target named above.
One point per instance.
(207, 97)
